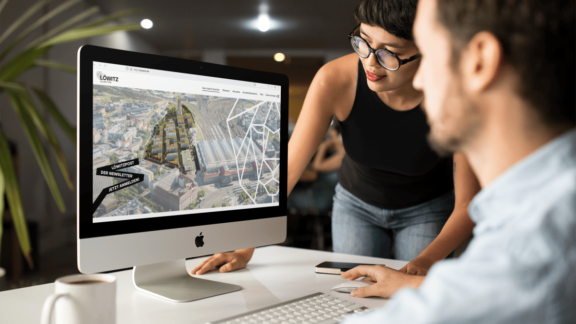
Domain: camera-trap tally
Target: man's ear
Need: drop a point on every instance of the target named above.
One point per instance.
(480, 62)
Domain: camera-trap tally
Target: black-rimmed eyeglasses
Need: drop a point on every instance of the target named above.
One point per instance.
(387, 59)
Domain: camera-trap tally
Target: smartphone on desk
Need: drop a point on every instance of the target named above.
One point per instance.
(337, 268)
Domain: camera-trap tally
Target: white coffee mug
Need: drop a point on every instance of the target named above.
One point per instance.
(82, 299)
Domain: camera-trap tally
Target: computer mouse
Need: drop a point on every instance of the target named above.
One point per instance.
(350, 285)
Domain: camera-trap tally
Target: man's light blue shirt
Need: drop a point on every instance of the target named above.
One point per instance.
(521, 265)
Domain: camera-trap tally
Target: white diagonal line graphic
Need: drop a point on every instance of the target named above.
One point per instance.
(247, 110)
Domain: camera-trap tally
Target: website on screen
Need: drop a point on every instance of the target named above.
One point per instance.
(167, 143)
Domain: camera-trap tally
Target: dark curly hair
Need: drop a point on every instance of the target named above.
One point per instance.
(538, 40)
(395, 16)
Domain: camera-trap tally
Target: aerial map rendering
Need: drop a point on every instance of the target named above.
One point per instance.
(157, 151)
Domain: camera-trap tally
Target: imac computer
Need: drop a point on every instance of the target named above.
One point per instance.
(176, 159)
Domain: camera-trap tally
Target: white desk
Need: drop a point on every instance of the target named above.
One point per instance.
(274, 275)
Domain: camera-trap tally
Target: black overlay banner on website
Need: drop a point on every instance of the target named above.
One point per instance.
(110, 171)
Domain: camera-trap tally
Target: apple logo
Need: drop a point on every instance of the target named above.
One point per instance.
(200, 240)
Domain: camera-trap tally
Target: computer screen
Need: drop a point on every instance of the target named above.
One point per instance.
(176, 158)
(167, 143)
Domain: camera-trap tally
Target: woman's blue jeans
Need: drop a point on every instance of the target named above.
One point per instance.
(363, 229)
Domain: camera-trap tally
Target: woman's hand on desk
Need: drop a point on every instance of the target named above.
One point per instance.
(418, 266)
(226, 261)
(387, 280)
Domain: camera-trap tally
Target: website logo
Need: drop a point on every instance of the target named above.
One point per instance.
(105, 78)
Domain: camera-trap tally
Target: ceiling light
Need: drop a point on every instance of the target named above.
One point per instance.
(279, 57)
(263, 22)
(146, 23)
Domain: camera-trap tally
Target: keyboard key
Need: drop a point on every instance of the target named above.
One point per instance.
(353, 307)
(329, 321)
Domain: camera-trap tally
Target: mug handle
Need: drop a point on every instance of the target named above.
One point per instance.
(48, 308)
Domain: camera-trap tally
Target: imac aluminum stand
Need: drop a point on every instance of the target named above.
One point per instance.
(171, 281)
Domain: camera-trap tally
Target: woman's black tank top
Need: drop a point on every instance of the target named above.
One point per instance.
(388, 162)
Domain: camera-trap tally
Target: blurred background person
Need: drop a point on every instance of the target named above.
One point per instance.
(316, 187)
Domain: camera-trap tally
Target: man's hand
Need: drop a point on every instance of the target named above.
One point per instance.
(226, 261)
(418, 266)
(387, 280)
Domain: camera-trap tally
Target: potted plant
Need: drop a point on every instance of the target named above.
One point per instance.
(80, 26)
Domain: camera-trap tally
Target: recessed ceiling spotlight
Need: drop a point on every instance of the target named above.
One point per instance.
(146, 23)
(263, 22)
(279, 57)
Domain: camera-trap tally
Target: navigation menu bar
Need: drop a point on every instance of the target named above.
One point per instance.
(150, 79)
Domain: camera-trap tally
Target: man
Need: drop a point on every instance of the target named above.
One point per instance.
(499, 78)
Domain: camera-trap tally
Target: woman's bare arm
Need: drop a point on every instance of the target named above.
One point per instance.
(458, 227)
(331, 93)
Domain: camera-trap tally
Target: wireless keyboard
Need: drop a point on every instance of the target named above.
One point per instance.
(318, 308)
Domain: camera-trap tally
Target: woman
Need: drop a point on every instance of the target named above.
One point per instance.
(395, 197)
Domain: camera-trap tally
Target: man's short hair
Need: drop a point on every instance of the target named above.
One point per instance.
(538, 40)
(395, 16)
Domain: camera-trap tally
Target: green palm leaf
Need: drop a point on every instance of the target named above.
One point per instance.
(53, 110)
(65, 25)
(14, 198)
(56, 65)
(2, 191)
(113, 16)
(25, 107)
(27, 14)
(51, 14)
(3, 4)
(33, 112)
(37, 148)
(20, 63)
(10, 85)
(80, 33)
